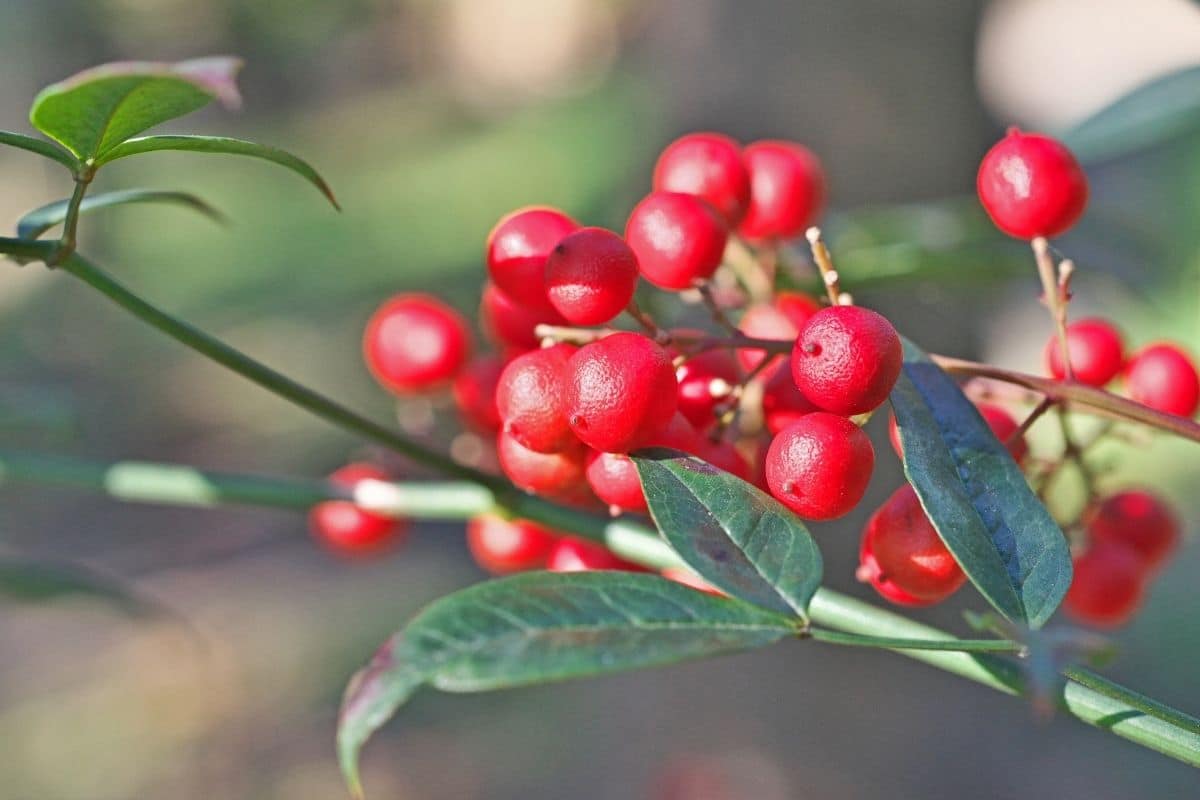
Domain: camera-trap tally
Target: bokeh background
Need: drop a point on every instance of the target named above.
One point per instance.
(431, 118)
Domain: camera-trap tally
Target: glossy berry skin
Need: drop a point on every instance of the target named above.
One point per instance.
(614, 478)
(348, 530)
(779, 320)
(1107, 587)
(787, 190)
(1137, 520)
(510, 324)
(517, 248)
(1162, 377)
(541, 473)
(998, 419)
(705, 381)
(502, 546)
(475, 393)
(847, 359)
(590, 276)
(415, 342)
(902, 555)
(579, 555)
(819, 466)
(679, 239)
(1097, 352)
(708, 165)
(621, 391)
(782, 402)
(531, 399)
(1031, 185)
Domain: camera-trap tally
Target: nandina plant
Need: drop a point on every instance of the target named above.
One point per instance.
(657, 475)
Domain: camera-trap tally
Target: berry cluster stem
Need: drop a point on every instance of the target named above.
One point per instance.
(1056, 295)
(824, 262)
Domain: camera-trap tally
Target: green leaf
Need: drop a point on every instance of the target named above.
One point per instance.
(38, 582)
(41, 147)
(736, 536)
(222, 145)
(42, 219)
(541, 627)
(977, 497)
(1154, 112)
(97, 109)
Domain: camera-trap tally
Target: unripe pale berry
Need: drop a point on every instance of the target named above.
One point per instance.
(613, 477)
(1097, 353)
(679, 239)
(590, 276)
(705, 381)
(542, 473)
(1137, 520)
(820, 465)
(902, 555)
(349, 530)
(579, 555)
(782, 402)
(531, 399)
(510, 324)
(517, 249)
(787, 190)
(1107, 587)
(501, 546)
(475, 393)
(998, 419)
(1162, 377)
(708, 165)
(1031, 185)
(415, 342)
(621, 391)
(847, 359)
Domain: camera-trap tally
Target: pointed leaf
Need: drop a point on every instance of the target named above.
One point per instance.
(736, 536)
(541, 627)
(222, 145)
(42, 219)
(97, 109)
(977, 497)
(41, 147)
(40, 582)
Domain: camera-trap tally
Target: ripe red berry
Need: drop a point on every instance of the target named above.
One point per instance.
(797, 307)
(723, 455)
(475, 393)
(1031, 185)
(511, 324)
(787, 190)
(579, 555)
(517, 249)
(847, 359)
(531, 399)
(621, 391)
(1137, 520)
(782, 402)
(502, 546)
(542, 473)
(614, 478)
(690, 579)
(590, 276)
(1107, 587)
(678, 239)
(1162, 376)
(705, 381)
(708, 165)
(820, 466)
(779, 320)
(1097, 353)
(902, 555)
(998, 419)
(415, 342)
(344, 527)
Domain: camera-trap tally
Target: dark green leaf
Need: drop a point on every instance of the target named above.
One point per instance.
(736, 536)
(222, 145)
(541, 627)
(40, 220)
(41, 147)
(35, 582)
(976, 495)
(97, 109)
(1151, 114)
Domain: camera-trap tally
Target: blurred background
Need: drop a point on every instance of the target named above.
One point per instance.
(431, 118)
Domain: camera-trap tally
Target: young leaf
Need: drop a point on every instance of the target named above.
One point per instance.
(976, 496)
(42, 219)
(97, 109)
(37, 582)
(736, 536)
(41, 147)
(222, 145)
(541, 627)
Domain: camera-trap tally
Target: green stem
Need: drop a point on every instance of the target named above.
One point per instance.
(23, 248)
(891, 643)
(71, 221)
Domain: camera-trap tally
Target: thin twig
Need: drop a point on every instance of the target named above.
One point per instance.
(824, 261)
(1054, 295)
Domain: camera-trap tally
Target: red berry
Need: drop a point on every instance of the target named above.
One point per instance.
(787, 190)
(1108, 586)
(723, 455)
(531, 399)
(708, 165)
(517, 249)
(614, 478)
(414, 342)
(820, 466)
(847, 359)
(502, 546)
(705, 381)
(1162, 377)
(1137, 520)
(779, 320)
(691, 579)
(590, 276)
(782, 402)
(621, 391)
(542, 473)
(579, 555)
(349, 530)
(679, 239)
(511, 324)
(1031, 185)
(902, 555)
(1097, 353)
(475, 393)
(797, 307)
(998, 419)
